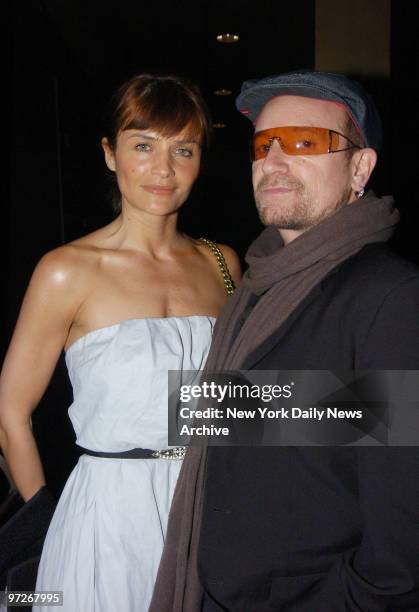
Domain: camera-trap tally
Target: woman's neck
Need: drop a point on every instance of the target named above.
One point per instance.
(152, 234)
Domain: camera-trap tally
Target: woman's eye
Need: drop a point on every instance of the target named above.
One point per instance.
(184, 152)
(143, 146)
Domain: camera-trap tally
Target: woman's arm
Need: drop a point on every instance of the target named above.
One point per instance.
(48, 310)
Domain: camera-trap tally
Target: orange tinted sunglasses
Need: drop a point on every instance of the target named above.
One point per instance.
(298, 140)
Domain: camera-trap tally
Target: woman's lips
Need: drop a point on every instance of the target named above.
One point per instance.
(158, 189)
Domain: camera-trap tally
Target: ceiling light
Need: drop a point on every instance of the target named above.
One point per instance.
(223, 92)
(218, 125)
(228, 38)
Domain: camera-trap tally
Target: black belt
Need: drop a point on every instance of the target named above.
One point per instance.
(140, 453)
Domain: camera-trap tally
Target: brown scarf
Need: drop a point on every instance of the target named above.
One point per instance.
(282, 277)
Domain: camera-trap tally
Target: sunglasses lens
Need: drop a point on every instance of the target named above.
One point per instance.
(294, 141)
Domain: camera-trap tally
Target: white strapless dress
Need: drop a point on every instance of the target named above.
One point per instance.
(105, 540)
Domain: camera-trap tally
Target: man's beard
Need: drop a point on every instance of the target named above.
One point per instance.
(295, 210)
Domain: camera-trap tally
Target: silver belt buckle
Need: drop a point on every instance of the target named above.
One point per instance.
(171, 453)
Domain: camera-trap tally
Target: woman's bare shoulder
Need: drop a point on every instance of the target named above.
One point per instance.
(60, 265)
(232, 261)
(230, 256)
(78, 255)
(69, 265)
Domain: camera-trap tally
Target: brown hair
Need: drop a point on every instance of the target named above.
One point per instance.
(168, 104)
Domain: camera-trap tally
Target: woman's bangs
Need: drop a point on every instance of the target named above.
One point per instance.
(168, 116)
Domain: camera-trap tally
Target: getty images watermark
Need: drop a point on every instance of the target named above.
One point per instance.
(294, 407)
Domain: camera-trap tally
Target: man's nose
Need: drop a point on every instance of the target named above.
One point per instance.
(276, 160)
(163, 164)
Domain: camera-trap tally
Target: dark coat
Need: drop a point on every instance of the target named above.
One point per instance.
(323, 529)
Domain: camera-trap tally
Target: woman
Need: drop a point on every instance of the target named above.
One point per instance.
(127, 303)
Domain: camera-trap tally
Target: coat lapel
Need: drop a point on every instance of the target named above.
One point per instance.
(270, 342)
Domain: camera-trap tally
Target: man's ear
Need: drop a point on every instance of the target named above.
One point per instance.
(109, 156)
(362, 164)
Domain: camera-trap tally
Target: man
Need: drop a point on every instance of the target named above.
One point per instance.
(308, 529)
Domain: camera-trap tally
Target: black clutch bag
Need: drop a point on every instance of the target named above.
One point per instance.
(23, 527)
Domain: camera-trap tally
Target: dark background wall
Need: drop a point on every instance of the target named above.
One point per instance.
(68, 55)
(404, 100)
